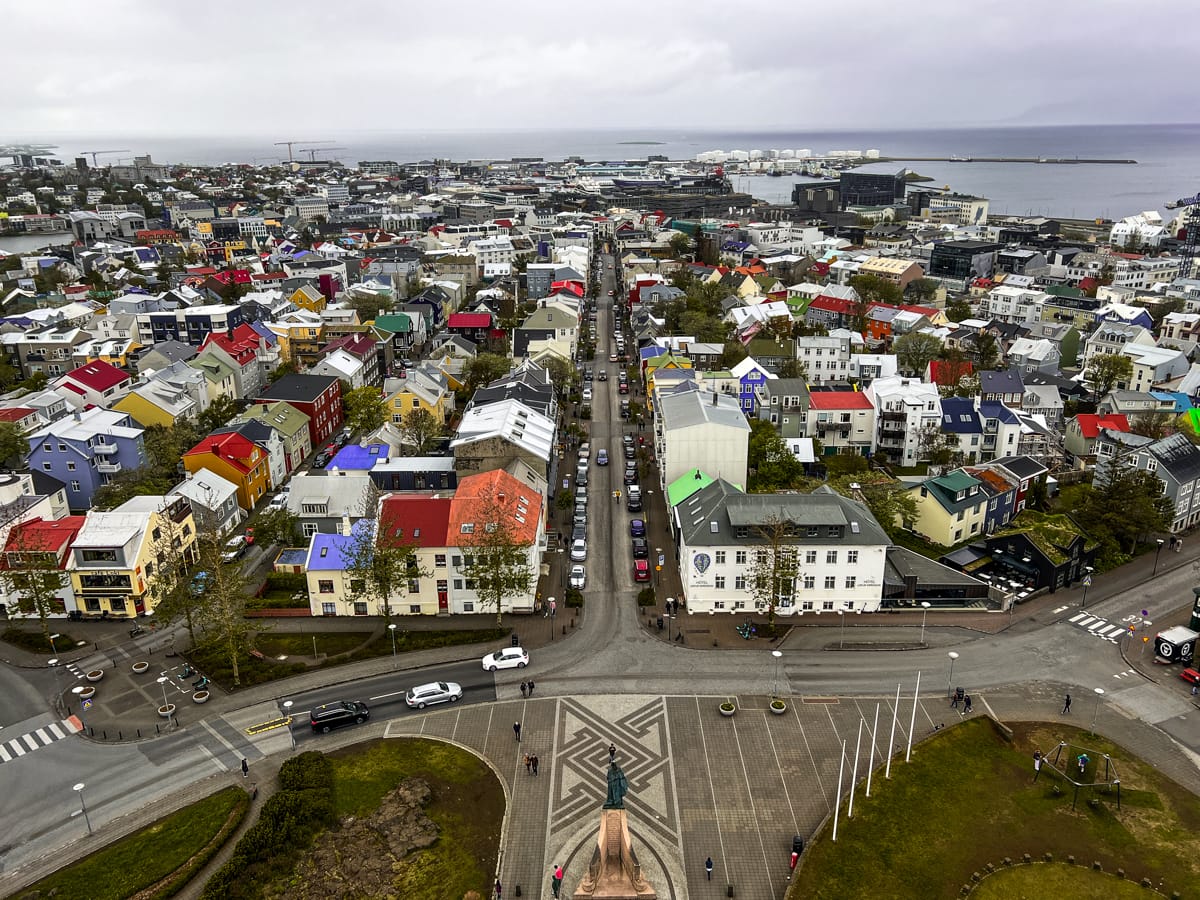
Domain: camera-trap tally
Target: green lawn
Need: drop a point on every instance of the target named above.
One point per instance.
(31, 638)
(1058, 880)
(968, 798)
(328, 643)
(146, 857)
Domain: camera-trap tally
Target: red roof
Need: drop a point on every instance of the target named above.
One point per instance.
(567, 287)
(833, 304)
(1090, 424)
(476, 493)
(415, 519)
(838, 400)
(242, 346)
(98, 375)
(268, 276)
(15, 413)
(356, 345)
(470, 320)
(230, 446)
(43, 535)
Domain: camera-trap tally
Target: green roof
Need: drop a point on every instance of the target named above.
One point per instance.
(1048, 533)
(956, 481)
(395, 323)
(1064, 290)
(686, 485)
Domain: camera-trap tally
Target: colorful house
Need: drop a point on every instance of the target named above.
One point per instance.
(237, 459)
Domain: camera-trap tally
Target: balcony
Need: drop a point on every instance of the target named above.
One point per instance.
(108, 468)
(103, 449)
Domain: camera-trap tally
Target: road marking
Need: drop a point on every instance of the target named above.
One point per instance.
(43, 737)
(28, 739)
(385, 696)
(16, 746)
(228, 746)
(1060, 609)
(4, 754)
(268, 726)
(56, 731)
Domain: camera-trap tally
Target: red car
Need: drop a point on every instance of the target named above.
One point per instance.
(1190, 675)
(641, 570)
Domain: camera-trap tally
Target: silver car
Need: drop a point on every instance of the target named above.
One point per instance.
(435, 692)
(578, 577)
(579, 551)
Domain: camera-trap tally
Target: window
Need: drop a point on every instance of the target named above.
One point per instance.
(719, 557)
(47, 447)
(329, 609)
(852, 556)
(458, 584)
(416, 404)
(739, 582)
(470, 584)
(850, 582)
(458, 561)
(75, 487)
(719, 582)
(468, 606)
(830, 582)
(806, 606)
(810, 557)
(46, 466)
(360, 608)
(414, 585)
(70, 465)
(827, 606)
(309, 529)
(439, 560)
(325, 586)
(62, 448)
(740, 557)
(810, 582)
(100, 556)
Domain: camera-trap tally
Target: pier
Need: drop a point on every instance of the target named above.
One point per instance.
(1043, 160)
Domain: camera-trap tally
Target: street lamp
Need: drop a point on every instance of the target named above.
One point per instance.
(842, 637)
(1087, 581)
(1157, 553)
(1096, 713)
(392, 629)
(54, 649)
(924, 613)
(950, 681)
(775, 689)
(163, 681)
(83, 806)
(287, 711)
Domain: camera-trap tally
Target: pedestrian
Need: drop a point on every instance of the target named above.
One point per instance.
(556, 880)
(553, 607)
(534, 762)
(498, 889)
(517, 731)
(1083, 761)
(528, 763)
(612, 753)
(524, 688)
(530, 687)
(1195, 689)
(792, 864)
(708, 867)
(954, 700)
(967, 705)
(1066, 704)
(245, 768)
(1037, 764)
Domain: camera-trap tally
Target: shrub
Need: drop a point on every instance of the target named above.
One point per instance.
(573, 598)
(645, 597)
(291, 582)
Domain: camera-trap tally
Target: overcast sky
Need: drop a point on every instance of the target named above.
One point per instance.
(136, 67)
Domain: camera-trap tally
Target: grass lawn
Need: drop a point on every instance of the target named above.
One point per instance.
(290, 643)
(467, 806)
(1059, 881)
(968, 798)
(34, 641)
(146, 857)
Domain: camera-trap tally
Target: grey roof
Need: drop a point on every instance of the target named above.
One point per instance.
(1021, 466)
(685, 410)
(903, 563)
(1179, 456)
(1008, 382)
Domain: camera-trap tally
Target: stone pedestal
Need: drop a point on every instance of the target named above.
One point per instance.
(614, 872)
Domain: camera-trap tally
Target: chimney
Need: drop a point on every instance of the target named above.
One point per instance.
(216, 449)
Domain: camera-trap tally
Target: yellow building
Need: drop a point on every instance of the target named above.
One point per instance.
(419, 393)
(116, 556)
(156, 403)
(950, 508)
(299, 334)
(308, 297)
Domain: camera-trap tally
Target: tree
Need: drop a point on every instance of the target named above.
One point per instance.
(922, 290)
(958, 309)
(1106, 370)
(379, 564)
(278, 526)
(984, 352)
(420, 430)
(772, 576)
(175, 542)
(680, 244)
(915, 351)
(225, 627)
(793, 368)
(484, 369)
(220, 411)
(1155, 424)
(773, 467)
(33, 573)
(363, 409)
(873, 289)
(1121, 507)
(563, 375)
(369, 307)
(495, 557)
(13, 445)
(733, 353)
(165, 445)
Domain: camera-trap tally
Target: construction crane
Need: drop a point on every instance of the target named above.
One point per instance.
(1191, 232)
(94, 153)
(313, 151)
(289, 145)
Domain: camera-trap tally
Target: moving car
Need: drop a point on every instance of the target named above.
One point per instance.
(641, 570)
(279, 501)
(637, 528)
(602, 457)
(578, 577)
(234, 548)
(424, 695)
(335, 715)
(508, 658)
(603, 376)
(579, 551)
(612, 357)
(587, 395)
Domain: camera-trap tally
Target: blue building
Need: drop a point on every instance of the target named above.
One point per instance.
(85, 450)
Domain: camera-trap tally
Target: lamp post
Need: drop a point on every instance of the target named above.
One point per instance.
(53, 663)
(1096, 712)
(924, 613)
(950, 681)
(54, 650)
(83, 806)
(775, 689)
(163, 681)
(1157, 553)
(287, 711)
(1087, 581)
(842, 636)
(392, 629)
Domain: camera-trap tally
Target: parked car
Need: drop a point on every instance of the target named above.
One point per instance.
(234, 548)
(630, 451)
(579, 551)
(637, 528)
(321, 460)
(585, 450)
(641, 550)
(587, 395)
(602, 457)
(581, 478)
(581, 496)
(624, 409)
(627, 440)
(279, 501)
(579, 533)
(335, 715)
(633, 498)
(345, 434)
(424, 695)
(631, 476)
(641, 570)
(508, 658)
(623, 387)
(578, 577)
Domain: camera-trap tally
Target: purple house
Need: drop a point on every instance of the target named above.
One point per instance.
(85, 450)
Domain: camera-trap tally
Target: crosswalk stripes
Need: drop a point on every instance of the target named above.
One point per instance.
(15, 748)
(1100, 627)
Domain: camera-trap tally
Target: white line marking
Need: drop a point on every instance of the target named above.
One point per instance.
(1076, 617)
(385, 696)
(28, 739)
(228, 746)
(4, 754)
(43, 737)
(58, 733)
(16, 746)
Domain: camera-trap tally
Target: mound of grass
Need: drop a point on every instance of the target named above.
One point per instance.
(179, 844)
(36, 642)
(1057, 880)
(968, 798)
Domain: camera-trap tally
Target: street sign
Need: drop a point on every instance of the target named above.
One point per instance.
(662, 560)
(658, 568)
(87, 703)
(1087, 580)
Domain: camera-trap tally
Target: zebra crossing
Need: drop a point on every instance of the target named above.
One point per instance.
(1098, 626)
(17, 747)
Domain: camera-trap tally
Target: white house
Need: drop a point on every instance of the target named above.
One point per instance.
(213, 500)
(905, 410)
(699, 430)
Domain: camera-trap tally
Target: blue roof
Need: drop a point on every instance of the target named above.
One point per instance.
(355, 457)
(652, 351)
(328, 552)
(998, 411)
(959, 416)
(264, 331)
(1182, 401)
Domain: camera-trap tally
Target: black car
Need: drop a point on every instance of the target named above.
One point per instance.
(579, 533)
(630, 451)
(641, 550)
(631, 476)
(321, 460)
(334, 715)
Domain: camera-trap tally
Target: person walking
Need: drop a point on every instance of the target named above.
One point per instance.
(245, 769)
(708, 868)
(966, 704)
(556, 880)
(528, 763)
(1037, 764)
(612, 753)
(534, 761)
(524, 688)
(954, 699)
(517, 731)
(498, 889)
(1066, 704)
(530, 687)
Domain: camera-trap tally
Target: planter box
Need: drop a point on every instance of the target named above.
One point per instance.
(201, 697)
(167, 711)
(140, 667)
(779, 709)
(87, 693)
(727, 713)
(94, 675)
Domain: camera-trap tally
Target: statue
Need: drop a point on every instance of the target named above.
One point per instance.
(618, 787)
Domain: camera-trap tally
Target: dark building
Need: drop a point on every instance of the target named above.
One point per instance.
(868, 189)
(817, 196)
(964, 260)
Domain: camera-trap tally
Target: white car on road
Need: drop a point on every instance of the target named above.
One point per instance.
(578, 577)
(509, 658)
(435, 692)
